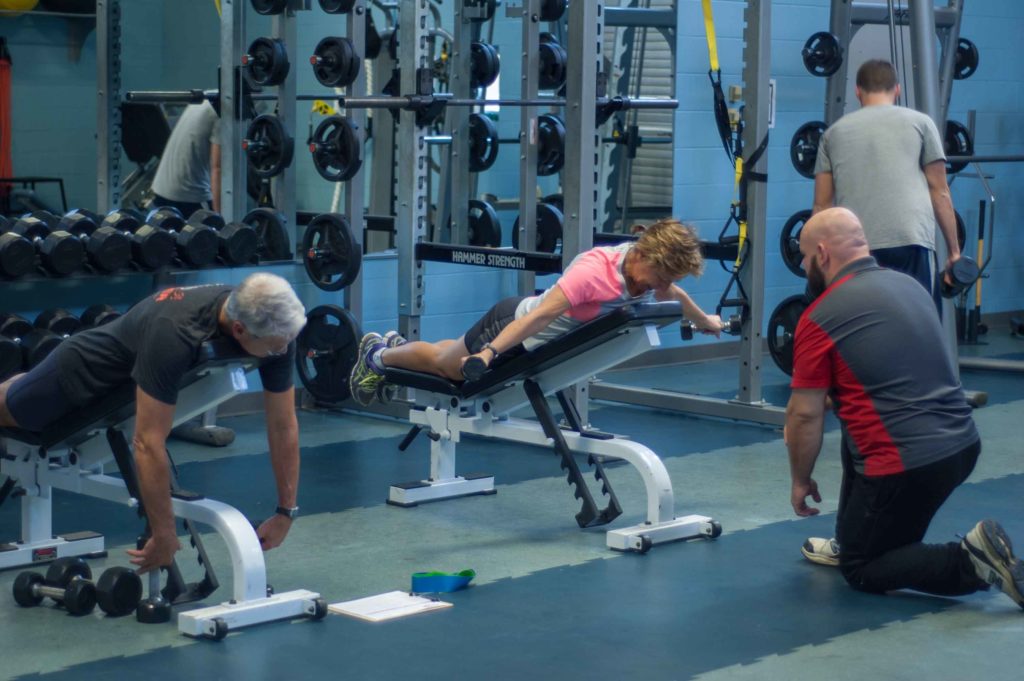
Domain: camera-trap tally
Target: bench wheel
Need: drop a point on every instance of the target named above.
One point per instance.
(714, 529)
(645, 545)
(220, 629)
(319, 609)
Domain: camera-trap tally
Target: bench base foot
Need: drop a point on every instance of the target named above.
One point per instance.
(642, 537)
(422, 491)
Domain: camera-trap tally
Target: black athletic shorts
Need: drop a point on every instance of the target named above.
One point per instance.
(490, 325)
(36, 399)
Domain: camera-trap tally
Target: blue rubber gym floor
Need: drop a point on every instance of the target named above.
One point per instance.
(550, 600)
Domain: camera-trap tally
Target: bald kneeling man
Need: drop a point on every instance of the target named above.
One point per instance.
(868, 341)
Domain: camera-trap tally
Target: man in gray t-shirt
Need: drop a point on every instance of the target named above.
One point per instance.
(886, 164)
(188, 177)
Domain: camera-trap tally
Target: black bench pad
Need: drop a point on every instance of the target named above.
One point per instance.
(508, 369)
(119, 404)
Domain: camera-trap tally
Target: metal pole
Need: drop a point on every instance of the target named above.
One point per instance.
(108, 109)
(457, 164)
(756, 72)
(840, 25)
(528, 137)
(413, 202)
(356, 31)
(234, 167)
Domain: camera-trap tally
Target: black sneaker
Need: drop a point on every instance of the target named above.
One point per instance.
(991, 553)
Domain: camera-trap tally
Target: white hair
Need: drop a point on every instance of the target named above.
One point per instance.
(268, 306)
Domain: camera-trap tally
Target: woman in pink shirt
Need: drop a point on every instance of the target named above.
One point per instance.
(596, 281)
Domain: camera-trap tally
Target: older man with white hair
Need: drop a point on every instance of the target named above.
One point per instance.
(153, 345)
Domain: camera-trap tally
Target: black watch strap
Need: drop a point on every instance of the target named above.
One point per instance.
(287, 512)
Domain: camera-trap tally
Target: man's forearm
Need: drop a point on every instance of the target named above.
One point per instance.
(154, 479)
(284, 460)
(942, 204)
(803, 440)
(215, 184)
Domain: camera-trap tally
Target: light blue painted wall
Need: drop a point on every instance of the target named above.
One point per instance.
(172, 45)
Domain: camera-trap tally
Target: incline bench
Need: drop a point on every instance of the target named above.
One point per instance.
(71, 456)
(482, 407)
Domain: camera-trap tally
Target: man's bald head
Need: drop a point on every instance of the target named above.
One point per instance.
(833, 238)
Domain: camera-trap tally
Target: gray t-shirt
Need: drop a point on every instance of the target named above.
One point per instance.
(184, 172)
(876, 156)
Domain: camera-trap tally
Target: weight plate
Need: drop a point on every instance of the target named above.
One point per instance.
(337, 6)
(822, 54)
(550, 221)
(485, 64)
(272, 239)
(966, 62)
(789, 242)
(803, 148)
(957, 142)
(335, 62)
(337, 149)
(269, 6)
(326, 351)
(484, 225)
(550, 144)
(552, 10)
(552, 63)
(330, 252)
(266, 62)
(483, 142)
(267, 146)
(782, 329)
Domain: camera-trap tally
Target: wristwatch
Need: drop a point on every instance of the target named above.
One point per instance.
(290, 513)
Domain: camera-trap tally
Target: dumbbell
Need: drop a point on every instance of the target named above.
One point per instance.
(196, 243)
(152, 248)
(17, 256)
(118, 591)
(35, 344)
(98, 315)
(67, 582)
(733, 326)
(962, 275)
(106, 249)
(59, 321)
(236, 241)
(58, 251)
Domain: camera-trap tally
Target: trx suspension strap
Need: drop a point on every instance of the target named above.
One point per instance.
(715, 75)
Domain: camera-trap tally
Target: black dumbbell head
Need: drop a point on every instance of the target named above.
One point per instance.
(238, 243)
(58, 320)
(98, 315)
(80, 597)
(108, 250)
(122, 221)
(13, 326)
(210, 218)
(37, 344)
(30, 227)
(197, 244)
(79, 224)
(61, 253)
(24, 590)
(11, 360)
(168, 218)
(63, 570)
(152, 248)
(118, 591)
(17, 255)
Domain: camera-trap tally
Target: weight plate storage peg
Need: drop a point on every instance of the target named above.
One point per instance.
(782, 329)
(330, 252)
(267, 146)
(822, 54)
(337, 149)
(789, 242)
(326, 351)
(803, 148)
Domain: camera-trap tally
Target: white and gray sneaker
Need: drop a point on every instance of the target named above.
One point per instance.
(821, 550)
(387, 391)
(991, 553)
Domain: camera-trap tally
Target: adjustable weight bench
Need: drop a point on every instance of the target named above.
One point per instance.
(72, 455)
(447, 410)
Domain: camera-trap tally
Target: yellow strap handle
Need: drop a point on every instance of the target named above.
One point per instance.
(217, 3)
(323, 108)
(709, 31)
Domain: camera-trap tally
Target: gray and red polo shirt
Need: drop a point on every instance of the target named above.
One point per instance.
(874, 342)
